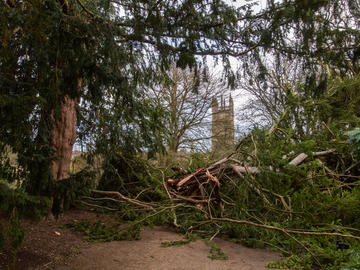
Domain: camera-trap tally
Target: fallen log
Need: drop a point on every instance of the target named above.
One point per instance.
(245, 169)
(301, 157)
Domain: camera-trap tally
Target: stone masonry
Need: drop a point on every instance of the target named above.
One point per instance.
(222, 125)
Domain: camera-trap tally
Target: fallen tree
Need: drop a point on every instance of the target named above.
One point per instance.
(195, 186)
(262, 199)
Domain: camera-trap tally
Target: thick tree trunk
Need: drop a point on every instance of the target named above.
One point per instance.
(63, 136)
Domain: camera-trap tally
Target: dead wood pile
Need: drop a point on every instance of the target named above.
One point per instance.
(203, 185)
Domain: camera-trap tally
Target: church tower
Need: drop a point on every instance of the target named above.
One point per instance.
(222, 125)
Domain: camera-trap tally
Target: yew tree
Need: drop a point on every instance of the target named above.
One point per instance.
(57, 56)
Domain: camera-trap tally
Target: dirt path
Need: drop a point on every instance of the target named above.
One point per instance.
(148, 254)
(49, 246)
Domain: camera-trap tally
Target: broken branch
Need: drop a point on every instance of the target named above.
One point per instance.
(269, 227)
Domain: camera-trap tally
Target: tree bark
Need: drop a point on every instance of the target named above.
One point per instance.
(63, 136)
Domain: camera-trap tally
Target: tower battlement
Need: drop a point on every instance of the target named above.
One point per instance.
(222, 124)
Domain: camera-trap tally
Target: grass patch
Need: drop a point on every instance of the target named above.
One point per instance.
(100, 232)
(175, 243)
(189, 238)
(216, 252)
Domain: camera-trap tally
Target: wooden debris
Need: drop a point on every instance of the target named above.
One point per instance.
(201, 186)
(184, 180)
(301, 157)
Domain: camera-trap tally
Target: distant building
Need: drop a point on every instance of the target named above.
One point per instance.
(222, 125)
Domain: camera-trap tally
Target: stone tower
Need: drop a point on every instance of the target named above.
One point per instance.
(222, 125)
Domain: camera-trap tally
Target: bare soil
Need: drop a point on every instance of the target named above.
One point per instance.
(48, 246)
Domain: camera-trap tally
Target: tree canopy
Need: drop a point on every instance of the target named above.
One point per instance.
(95, 52)
(66, 62)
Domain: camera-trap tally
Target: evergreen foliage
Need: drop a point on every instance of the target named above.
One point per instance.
(105, 54)
(322, 194)
(16, 204)
(24, 204)
(131, 176)
(99, 232)
(115, 50)
(215, 252)
(50, 47)
(67, 193)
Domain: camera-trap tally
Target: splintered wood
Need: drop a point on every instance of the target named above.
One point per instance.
(203, 185)
(199, 187)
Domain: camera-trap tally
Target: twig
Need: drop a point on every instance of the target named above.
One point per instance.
(305, 247)
(252, 216)
(235, 160)
(102, 199)
(347, 175)
(255, 150)
(275, 228)
(338, 226)
(141, 192)
(221, 161)
(86, 10)
(286, 206)
(278, 120)
(237, 171)
(127, 199)
(352, 166)
(323, 153)
(275, 246)
(170, 198)
(99, 206)
(157, 212)
(298, 159)
(226, 202)
(212, 237)
(45, 266)
(332, 133)
(189, 199)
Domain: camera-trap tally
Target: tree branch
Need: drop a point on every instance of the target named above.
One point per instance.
(268, 227)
